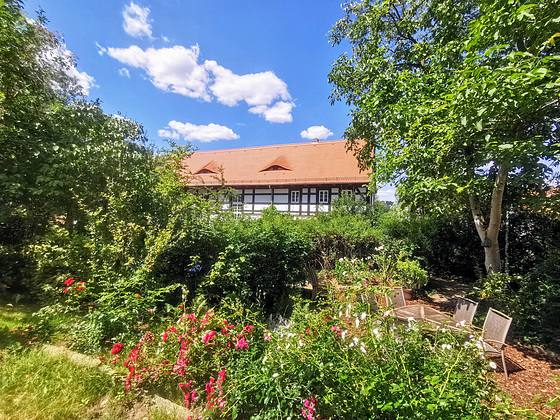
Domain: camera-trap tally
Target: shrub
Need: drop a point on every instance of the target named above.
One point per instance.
(315, 365)
(533, 299)
(262, 264)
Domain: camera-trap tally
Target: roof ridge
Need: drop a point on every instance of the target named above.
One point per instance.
(314, 143)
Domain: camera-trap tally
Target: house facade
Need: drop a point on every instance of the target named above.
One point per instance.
(300, 179)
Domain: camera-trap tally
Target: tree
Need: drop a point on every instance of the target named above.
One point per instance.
(459, 100)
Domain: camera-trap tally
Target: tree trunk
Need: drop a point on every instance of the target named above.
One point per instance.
(488, 226)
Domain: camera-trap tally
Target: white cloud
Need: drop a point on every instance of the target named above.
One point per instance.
(316, 132)
(84, 80)
(62, 58)
(203, 133)
(177, 70)
(280, 112)
(136, 22)
(124, 72)
(255, 88)
(387, 193)
(171, 69)
(100, 50)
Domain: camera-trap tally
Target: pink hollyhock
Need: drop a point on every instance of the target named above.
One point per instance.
(69, 281)
(117, 348)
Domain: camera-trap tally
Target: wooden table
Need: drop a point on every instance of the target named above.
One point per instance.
(424, 313)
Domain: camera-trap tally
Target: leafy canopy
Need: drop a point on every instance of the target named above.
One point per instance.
(446, 92)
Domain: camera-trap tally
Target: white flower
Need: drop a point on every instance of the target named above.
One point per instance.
(275, 375)
(446, 346)
(411, 319)
(287, 346)
(356, 341)
(363, 349)
(300, 343)
(493, 365)
(363, 316)
(376, 332)
(343, 335)
(264, 360)
(357, 323)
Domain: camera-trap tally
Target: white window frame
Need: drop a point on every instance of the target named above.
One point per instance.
(323, 196)
(295, 197)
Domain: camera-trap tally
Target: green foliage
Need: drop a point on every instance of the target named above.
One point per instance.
(338, 235)
(457, 99)
(410, 274)
(532, 299)
(262, 263)
(315, 364)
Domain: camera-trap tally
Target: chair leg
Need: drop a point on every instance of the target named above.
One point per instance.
(504, 363)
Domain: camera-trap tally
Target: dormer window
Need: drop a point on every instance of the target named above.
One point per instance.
(209, 168)
(279, 164)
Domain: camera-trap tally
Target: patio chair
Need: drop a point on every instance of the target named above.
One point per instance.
(371, 299)
(396, 298)
(464, 310)
(494, 332)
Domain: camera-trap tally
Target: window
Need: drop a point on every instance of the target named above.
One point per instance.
(295, 197)
(323, 196)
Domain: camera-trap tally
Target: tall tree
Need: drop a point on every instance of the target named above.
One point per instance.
(459, 100)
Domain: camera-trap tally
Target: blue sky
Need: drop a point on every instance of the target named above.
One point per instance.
(218, 74)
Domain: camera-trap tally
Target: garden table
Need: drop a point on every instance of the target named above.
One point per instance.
(424, 313)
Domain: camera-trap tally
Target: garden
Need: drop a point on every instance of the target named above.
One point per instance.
(126, 295)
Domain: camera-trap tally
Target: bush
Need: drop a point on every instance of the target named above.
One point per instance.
(262, 264)
(532, 299)
(315, 365)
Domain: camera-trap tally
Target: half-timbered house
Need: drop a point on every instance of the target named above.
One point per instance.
(301, 179)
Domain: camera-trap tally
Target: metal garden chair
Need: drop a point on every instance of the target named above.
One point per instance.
(494, 332)
(464, 310)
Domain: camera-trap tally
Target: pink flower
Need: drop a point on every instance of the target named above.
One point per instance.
(79, 288)
(66, 290)
(117, 348)
(221, 378)
(249, 328)
(242, 344)
(209, 337)
(69, 281)
(210, 386)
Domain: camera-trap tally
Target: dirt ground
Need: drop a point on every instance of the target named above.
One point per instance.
(530, 383)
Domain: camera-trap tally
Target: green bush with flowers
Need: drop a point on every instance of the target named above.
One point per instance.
(338, 362)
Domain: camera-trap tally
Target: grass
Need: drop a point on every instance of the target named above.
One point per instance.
(39, 386)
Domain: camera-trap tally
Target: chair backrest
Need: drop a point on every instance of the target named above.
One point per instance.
(465, 310)
(396, 298)
(371, 299)
(496, 326)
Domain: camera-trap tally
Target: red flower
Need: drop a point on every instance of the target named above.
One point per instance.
(66, 290)
(69, 281)
(117, 348)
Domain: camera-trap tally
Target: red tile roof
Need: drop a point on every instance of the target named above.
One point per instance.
(323, 162)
